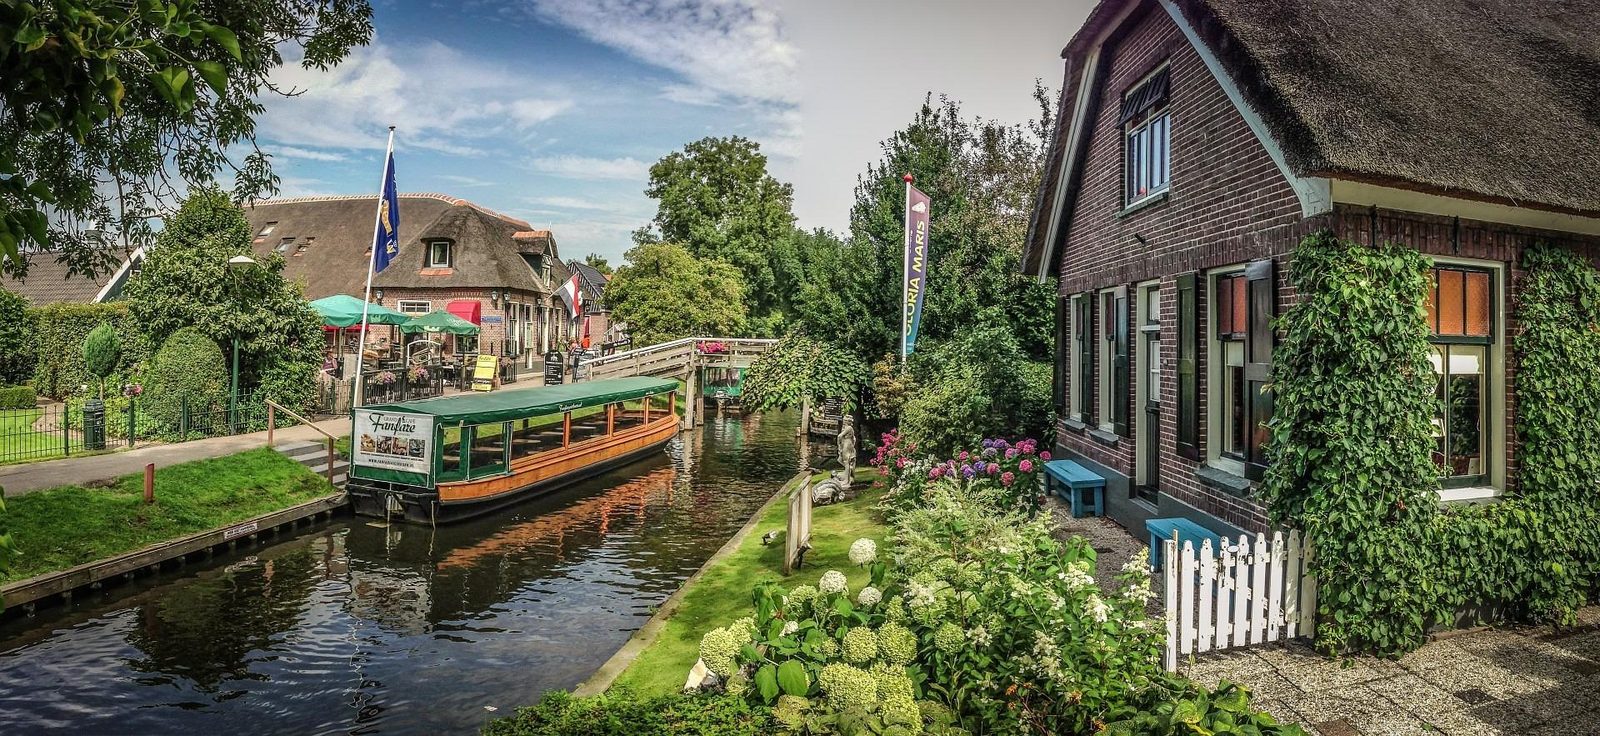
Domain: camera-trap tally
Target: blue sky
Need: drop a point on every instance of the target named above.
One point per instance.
(553, 110)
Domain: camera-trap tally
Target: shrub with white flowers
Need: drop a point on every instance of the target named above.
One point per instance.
(860, 645)
(863, 551)
(833, 582)
(869, 596)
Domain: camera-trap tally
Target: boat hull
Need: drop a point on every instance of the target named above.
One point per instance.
(529, 477)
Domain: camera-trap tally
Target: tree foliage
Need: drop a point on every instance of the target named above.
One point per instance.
(717, 200)
(101, 352)
(187, 372)
(101, 102)
(664, 292)
(800, 368)
(973, 386)
(186, 281)
(16, 339)
(598, 262)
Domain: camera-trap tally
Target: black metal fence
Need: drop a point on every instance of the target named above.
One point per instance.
(386, 386)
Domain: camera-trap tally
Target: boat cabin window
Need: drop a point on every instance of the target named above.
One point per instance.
(588, 423)
(535, 435)
(660, 404)
(488, 445)
(450, 453)
(630, 414)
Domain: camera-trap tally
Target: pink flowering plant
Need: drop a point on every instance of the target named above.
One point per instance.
(1014, 471)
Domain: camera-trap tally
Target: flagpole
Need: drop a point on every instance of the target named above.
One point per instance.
(905, 268)
(372, 259)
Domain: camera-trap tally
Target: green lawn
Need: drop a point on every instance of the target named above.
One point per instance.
(18, 441)
(58, 528)
(722, 594)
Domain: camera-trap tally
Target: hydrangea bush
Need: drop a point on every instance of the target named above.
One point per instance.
(1014, 470)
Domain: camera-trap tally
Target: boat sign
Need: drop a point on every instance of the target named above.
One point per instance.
(239, 530)
(393, 441)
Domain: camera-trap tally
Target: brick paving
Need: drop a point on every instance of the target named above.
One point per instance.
(1532, 680)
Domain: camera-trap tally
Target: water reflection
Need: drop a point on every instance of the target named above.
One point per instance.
(358, 628)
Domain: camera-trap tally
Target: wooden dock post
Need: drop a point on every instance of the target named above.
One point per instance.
(272, 422)
(149, 482)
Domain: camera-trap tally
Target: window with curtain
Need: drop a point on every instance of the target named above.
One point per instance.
(1147, 134)
(1460, 314)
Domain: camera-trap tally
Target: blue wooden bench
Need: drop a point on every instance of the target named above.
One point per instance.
(1161, 530)
(1079, 485)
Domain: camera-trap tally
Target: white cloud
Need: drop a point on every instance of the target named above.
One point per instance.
(350, 106)
(571, 203)
(301, 153)
(736, 47)
(584, 167)
(466, 181)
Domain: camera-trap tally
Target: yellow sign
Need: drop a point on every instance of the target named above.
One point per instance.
(483, 374)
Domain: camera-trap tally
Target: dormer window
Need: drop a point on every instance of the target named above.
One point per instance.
(267, 229)
(439, 254)
(1147, 129)
(283, 245)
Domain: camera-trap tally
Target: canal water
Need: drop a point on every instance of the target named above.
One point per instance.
(356, 628)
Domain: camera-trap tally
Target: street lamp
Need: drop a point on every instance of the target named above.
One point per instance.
(236, 264)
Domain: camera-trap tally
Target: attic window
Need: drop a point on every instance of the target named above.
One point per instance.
(267, 229)
(439, 254)
(1147, 128)
(301, 249)
(283, 245)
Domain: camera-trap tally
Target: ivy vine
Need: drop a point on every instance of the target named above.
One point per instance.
(1351, 443)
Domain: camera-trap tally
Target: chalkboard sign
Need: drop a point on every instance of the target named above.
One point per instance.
(554, 370)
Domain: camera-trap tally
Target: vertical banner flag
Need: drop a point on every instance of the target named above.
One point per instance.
(386, 237)
(916, 266)
(572, 295)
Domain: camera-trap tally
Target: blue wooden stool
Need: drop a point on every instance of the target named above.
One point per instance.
(1161, 530)
(1081, 487)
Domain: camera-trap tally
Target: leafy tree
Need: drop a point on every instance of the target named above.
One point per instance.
(663, 293)
(975, 385)
(186, 282)
(717, 200)
(101, 102)
(800, 368)
(598, 263)
(101, 353)
(16, 339)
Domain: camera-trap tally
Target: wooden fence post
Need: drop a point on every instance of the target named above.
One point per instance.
(150, 483)
(272, 423)
(330, 461)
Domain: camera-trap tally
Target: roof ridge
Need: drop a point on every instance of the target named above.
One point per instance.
(446, 198)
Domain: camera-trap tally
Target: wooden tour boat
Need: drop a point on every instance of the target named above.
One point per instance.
(452, 457)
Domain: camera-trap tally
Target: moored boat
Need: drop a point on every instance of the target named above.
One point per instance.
(451, 457)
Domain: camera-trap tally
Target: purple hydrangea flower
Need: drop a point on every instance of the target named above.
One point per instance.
(968, 472)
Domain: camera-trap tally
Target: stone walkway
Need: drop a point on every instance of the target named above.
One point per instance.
(1515, 680)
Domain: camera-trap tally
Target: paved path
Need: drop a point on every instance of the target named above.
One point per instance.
(29, 477)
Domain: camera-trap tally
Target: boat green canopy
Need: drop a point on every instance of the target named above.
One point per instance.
(504, 406)
(341, 310)
(439, 321)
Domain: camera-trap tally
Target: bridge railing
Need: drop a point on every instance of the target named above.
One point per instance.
(675, 357)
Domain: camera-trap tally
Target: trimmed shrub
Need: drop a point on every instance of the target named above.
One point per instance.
(101, 351)
(187, 372)
(59, 332)
(16, 339)
(18, 397)
(620, 714)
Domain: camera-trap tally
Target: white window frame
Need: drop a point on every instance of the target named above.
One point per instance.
(1142, 132)
(433, 245)
(267, 229)
(1216, 375)
(409, 306)
(1494, 447)
(1106, 359)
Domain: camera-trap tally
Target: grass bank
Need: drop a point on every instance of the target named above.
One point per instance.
(60, 527)
(722, 593)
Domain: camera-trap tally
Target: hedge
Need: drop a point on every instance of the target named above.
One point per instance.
(188, 369)
(18, 397)
(58, 344)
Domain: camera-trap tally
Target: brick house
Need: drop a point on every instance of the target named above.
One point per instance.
(605, 334)
(1198, 141)
(491, 269)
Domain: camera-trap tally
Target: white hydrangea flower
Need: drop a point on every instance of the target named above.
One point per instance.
(979, 636)
(833, 582)
(920, 596)
(869, 596)
(1139, 562)
(863, 551)
(1096, 608)
(790, 627)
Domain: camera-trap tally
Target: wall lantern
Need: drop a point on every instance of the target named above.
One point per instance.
(378, 293)
(494, 297)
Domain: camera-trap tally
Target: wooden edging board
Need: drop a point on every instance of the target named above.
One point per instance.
(602, 678)
(23, 592)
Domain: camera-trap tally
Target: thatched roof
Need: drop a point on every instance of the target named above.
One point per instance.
(1496, 100)
(332, 235)
(51, 282)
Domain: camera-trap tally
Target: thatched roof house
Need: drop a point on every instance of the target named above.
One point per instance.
(49, 281)
(1496, 101)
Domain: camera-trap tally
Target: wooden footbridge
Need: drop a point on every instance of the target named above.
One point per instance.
(682, 359)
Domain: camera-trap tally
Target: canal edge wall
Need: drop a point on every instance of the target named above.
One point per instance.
(28, 592)
(641, 640)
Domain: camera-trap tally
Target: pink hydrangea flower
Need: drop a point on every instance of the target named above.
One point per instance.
(1007, 478)
(964, 455)
(1045, 455)
(1025, 466)
(992, 468)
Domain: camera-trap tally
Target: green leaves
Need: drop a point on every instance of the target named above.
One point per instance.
(792, 678)
(766, 681)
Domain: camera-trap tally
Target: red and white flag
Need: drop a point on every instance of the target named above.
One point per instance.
(573, 296)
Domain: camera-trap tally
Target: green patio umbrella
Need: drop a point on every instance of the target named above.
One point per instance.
(340, 310)
(440, 321)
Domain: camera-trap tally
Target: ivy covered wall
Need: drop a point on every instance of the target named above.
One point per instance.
(1351, 444)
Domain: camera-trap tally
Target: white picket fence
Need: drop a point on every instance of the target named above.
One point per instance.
(1245, 593)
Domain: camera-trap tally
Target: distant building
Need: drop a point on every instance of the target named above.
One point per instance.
(49, 282)
(490, 269)
(604, 334)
